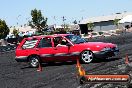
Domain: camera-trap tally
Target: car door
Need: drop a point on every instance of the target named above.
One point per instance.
(46, 50)
(61, 50)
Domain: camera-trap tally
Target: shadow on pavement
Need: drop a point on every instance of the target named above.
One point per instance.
(58, 63)
(25, 65)
(106, 60)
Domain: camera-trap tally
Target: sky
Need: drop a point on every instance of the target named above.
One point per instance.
(18, 12)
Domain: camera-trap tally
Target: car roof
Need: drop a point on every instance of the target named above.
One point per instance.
(62, 34)
(51, 36)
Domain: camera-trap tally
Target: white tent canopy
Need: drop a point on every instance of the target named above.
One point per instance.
(126, 19)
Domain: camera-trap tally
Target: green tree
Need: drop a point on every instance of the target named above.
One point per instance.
(67, 29)
(4, 30)
(38, 21)
(15, 32)
(116, 22)
(90, 26)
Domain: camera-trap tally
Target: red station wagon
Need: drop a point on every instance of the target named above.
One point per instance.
(61, 48)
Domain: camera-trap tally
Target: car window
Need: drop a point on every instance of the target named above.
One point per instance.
(75, 39)
(29, 44)
(64, 42)
(45, 42)
(57, 40)
(60, 41)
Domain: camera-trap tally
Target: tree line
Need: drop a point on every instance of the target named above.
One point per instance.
(38, 21)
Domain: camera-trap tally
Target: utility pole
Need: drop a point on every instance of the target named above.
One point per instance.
(63, 19)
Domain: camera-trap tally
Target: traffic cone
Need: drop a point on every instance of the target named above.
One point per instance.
(39, 68)
(78, 63)
(81, 71)
(127, 59)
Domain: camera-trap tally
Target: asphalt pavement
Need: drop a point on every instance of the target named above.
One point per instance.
(64, 75)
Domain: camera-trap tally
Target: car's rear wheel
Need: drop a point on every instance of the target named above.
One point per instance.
(34, 61)
(87, 56)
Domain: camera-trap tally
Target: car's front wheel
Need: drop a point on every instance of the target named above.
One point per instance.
(34, 61)
(87, 56)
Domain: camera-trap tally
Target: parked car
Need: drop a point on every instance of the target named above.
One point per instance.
(107, 33)
(94, 35)
(61, 48)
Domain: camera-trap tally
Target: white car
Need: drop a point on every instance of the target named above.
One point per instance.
(108, 34)
(93, 35)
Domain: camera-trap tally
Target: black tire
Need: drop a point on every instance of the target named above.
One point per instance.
(87, 56)
(34, 61)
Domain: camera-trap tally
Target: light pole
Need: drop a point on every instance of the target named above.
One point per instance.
(18, 19)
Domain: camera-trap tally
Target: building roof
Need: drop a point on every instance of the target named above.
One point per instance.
(22, 29)
(105, 18)
(126, 19)
(74, 27)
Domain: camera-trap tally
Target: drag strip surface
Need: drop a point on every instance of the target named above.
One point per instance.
(60, 75)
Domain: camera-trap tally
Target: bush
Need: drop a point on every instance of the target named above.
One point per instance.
(85, 35)
(100, 33)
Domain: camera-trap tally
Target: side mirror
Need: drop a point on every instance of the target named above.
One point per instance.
(68, 44)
